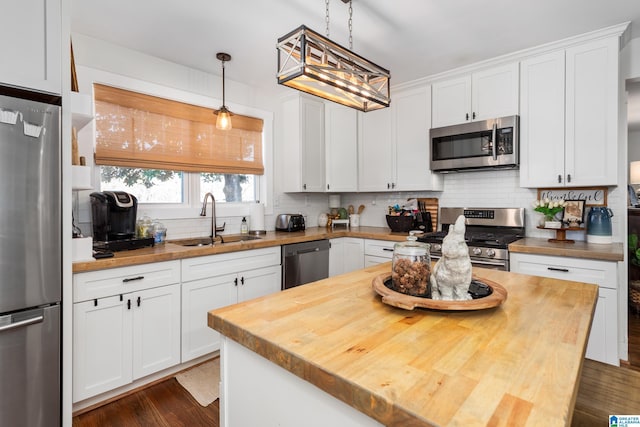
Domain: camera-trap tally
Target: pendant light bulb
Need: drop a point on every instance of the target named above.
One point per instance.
(223, 121)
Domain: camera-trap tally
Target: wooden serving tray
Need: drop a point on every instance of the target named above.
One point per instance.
(408, 302)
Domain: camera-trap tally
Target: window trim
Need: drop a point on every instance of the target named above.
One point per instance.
(190, 209)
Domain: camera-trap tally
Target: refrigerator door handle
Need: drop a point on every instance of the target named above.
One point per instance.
(21, 323)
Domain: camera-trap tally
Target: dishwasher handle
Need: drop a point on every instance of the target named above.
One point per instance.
(306, 251)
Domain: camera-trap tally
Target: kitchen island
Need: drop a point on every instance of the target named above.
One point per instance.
(331, 353)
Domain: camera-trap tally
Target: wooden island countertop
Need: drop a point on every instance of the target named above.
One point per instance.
(517, 364)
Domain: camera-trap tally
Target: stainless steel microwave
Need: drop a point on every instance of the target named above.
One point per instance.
(491, 144)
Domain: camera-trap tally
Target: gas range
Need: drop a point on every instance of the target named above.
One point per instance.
(488, 234)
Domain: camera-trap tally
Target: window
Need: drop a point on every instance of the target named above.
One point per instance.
(160, 186)
(155, 148)
(148, 185)
(228, 187)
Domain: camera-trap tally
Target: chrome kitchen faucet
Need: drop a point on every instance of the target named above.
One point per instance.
(203, 212)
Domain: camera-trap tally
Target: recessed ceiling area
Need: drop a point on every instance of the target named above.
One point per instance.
(412, 38)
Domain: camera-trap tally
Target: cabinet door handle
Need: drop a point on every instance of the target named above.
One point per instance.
(128, 304)
(304, 186)
(563, 270)
(473, 116)
(138, 301)
(393, 185)
(466, 117)
(131, 279)
(559, 178)
(327, 186)
(235, 281)
(568, 177)
(388, 186)
(95, 302)
(242, 280)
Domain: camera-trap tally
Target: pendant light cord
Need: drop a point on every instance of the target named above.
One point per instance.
(350, 22)
(223, 101)
(326, 17)
(350, 26)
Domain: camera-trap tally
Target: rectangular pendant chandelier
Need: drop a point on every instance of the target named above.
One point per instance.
(311, 63)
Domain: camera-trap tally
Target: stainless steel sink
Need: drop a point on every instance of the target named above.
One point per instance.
(238, 238)
(207, 241)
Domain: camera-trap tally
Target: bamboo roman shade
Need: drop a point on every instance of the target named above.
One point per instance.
(143, 131)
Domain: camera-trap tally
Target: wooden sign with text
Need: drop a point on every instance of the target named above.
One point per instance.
(593, 196)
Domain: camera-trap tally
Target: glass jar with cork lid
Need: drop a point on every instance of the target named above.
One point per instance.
(411, 267)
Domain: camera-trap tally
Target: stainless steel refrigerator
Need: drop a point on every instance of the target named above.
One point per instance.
(30, 259)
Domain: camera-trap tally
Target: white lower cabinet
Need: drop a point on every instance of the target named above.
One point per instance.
(377, 252)
(346, 254)
(118, 339)
(603, 340)
(215, 281)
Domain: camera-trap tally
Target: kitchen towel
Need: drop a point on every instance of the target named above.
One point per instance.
(202, 381)
(256, 216)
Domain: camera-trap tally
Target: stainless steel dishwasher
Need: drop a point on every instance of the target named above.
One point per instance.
(304, 263)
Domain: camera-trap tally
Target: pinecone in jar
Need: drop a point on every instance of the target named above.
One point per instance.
(411, 277)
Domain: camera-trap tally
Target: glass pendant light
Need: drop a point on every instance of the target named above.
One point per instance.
(223, 122)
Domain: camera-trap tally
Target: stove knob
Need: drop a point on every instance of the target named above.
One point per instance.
(477, 251)
(437, 247)
(491, 253)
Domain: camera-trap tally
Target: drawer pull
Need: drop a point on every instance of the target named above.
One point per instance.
(387, 249)
(131, 279)
(564, 270)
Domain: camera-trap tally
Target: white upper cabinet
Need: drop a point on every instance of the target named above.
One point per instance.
(393, 143)
(375, 151)
(568, 123)
(411, 111)
(542, 120)
(302, 150)
(591, 137)
(452, 102)
(341, 147)
(31, 45)
(482, 95)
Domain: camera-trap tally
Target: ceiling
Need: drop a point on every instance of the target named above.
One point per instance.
(411, 38)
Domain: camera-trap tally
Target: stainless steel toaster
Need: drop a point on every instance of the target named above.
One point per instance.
(290, 222)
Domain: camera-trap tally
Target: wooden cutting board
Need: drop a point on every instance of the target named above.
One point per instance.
(431, 204)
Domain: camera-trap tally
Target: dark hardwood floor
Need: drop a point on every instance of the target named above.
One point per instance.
(604, 390)
(164, 404)
(634, 338)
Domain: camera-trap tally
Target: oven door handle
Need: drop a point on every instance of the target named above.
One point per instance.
(496, 264)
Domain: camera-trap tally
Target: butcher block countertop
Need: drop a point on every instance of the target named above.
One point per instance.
(579, 249)
(516, 364)
(169, 251)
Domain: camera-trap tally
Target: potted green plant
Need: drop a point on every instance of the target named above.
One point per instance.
(549, 208)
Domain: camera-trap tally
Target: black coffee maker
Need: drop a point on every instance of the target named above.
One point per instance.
(114, 215)
(114, 221)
